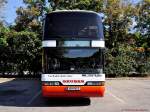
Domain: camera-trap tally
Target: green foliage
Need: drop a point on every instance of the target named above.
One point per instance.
(94, 5)
(143, 23)
(120, 63)
(118, 18)
(142, 36)
(3, 48)
(27, 19)
(146, 67)
(3, 31)
(20, 51)
(24, 49)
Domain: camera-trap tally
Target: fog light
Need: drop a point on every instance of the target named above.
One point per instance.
(56, 83)
(95, 83)
(89, 83)
(51, 83)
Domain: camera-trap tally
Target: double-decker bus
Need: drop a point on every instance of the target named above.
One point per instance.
(73, 55)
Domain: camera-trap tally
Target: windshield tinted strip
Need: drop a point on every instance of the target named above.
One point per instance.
(74, 43)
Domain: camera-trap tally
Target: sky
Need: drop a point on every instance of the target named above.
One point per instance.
(10, 10)
(11, 6)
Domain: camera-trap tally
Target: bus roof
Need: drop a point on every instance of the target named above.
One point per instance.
(71, 11)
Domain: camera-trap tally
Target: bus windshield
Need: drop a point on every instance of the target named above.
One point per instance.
(73, 25)
(83, 60)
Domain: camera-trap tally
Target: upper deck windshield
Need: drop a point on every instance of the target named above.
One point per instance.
(72, 25)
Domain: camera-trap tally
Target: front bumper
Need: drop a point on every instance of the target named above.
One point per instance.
(85, 91)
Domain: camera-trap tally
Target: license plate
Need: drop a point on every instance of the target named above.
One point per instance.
(73, 89)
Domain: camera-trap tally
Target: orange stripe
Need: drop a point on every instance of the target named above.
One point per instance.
(85, 91)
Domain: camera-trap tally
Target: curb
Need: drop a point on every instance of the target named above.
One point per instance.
(129, 78)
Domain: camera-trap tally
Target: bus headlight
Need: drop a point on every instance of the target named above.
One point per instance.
(51, 83)
(95, 83)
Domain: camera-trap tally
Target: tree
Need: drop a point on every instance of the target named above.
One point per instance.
(95, 5)
(27, 19)
(3, 48)
(118, 18)
(24, 50)
(142, 35)
(143, 23)
(121, 64)
(24, 38)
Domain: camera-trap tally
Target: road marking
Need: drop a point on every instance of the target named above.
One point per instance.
(117, 98)
(33, 98)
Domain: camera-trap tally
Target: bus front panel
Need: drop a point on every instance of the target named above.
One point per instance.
(73, 72)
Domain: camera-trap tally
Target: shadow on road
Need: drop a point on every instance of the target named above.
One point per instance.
(20, 93)
(63, 102)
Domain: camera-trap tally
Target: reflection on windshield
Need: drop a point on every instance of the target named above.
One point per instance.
(75, 53)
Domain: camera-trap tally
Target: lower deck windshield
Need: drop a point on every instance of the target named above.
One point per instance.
(72, 60)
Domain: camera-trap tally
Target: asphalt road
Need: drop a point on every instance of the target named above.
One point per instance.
(121, 96)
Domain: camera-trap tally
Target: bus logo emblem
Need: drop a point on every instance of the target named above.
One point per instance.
(73, 81)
